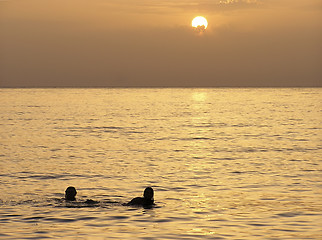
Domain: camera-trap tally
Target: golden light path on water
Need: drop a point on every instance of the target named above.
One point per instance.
(224, 163)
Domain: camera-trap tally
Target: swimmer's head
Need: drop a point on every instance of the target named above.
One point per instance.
(70, 194)
(148, 193)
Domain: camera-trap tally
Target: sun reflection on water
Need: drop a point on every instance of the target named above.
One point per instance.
(199, 96)
(224, 163)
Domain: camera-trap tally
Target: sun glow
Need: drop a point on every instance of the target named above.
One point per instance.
(200, 23)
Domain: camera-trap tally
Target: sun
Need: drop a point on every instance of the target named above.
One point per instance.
(200, 23)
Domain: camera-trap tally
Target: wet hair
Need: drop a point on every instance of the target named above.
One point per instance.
(148, 193)
(70, 194)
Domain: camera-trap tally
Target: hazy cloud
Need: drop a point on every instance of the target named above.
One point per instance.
(239, 2)
(157, 6)
(209, 5)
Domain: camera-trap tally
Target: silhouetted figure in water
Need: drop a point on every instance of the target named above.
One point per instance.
(70, 194)
(145, 201)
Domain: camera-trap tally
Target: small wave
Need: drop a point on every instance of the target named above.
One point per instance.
(57, 176)
(42, 177)
(285, 230)
(179, 189)
(195, 138)
(289, 214)
(34, 106)
(259, 224)
(32, 219)
(223, 159)
(237, 172)
(163, 220)
(119, 217)
(52, 219)
(268, 199)
(87, 218)
(11, 215)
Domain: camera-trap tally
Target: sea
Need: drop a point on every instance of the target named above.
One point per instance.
(224, 163)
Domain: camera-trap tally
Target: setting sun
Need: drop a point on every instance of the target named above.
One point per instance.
(200, 23)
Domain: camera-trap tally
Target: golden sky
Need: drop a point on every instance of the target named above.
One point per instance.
(150, 43)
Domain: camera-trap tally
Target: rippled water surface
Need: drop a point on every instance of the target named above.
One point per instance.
(224, 163)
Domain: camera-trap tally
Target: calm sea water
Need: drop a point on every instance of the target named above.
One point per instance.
(224, 163)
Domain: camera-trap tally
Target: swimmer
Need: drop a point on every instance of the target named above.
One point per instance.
(146, 200)
(70, 194)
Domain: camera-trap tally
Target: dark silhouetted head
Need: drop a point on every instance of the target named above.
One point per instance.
(70, 194)
(148, 193)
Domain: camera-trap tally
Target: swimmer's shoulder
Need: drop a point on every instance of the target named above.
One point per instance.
(136, 201)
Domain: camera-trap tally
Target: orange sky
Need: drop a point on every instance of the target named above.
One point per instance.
(150, 43)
